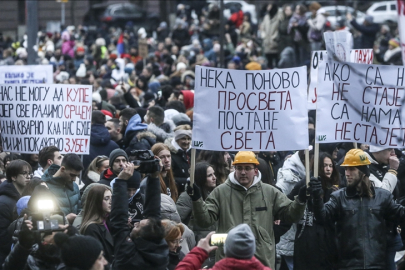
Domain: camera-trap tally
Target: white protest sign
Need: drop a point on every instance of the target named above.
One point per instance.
(360, 103)
(250, 110)
(401, 26)
(363, 56)
(26, 74)
(338, 44)
(34, 116)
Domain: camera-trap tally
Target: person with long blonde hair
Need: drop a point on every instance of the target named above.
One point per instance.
(95, 221)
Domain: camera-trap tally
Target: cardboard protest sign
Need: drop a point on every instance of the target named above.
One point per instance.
(250, 110)
(360, 103)
(34, 116)
(26, 74)
(363, 56)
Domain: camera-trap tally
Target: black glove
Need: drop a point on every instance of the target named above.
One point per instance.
(315, 188)
(194, 192)
(302, 194)
(26, 237)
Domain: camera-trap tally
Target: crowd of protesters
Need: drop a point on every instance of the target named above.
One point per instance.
(111, 216)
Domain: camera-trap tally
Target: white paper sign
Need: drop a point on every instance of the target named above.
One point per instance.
(338, 44)
(36, 115)
(363, 56)
(360, 103)
(250, 110)
(26, 74)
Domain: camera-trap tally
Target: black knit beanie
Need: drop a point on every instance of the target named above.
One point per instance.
(78, 251)
(117, 153)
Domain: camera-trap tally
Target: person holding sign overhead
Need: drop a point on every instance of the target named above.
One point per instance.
(243, 198)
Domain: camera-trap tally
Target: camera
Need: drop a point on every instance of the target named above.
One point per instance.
(146, 161)
(45, 218)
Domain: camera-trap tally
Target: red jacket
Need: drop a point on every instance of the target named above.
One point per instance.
(237, 18)
(195, 258)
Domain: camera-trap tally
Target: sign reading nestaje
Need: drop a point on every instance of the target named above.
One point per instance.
(33, 116)
(360, 103)
(250, 110)
(26, 74)
(363, 56)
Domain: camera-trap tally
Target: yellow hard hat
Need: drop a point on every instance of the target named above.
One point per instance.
(355, 157)
(245, 157)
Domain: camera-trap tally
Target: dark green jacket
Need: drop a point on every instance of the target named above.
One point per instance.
(230, 204)
(67, 194)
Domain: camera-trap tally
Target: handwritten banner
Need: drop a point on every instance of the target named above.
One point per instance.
(34, 116)
(250, 110)
(360, 103)
(26, 74)
(361, 56)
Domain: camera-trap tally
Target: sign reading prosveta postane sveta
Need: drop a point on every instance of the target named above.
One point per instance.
(262, 110)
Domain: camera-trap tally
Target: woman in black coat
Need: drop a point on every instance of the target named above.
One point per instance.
(314, 246)
(95, 218)
(180, 149)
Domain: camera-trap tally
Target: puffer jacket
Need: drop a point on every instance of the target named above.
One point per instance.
(67, 193)
(360, 224)
(197, 256)
(258, 206)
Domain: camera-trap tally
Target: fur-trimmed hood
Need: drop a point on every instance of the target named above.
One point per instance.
(169, 144)
(93, 176)
(161, 135)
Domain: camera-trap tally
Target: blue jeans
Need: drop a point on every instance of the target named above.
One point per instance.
(394, 244)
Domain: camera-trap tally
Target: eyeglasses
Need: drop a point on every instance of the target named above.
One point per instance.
(246, 169)
(177, 241)
(27, 174)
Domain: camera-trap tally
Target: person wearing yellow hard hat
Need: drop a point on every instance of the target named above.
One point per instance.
(361, 212)
(243, 198)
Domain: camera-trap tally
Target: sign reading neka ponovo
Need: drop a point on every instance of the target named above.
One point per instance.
(250, 110)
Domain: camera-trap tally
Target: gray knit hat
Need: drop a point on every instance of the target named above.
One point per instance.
(117, 153)
(240, 243)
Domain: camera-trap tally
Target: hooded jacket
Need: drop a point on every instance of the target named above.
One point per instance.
(100, 144)
(188, 98)
(197, 256)
(67, 193)
(258, 206)
(8, 200)
(161, 135)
